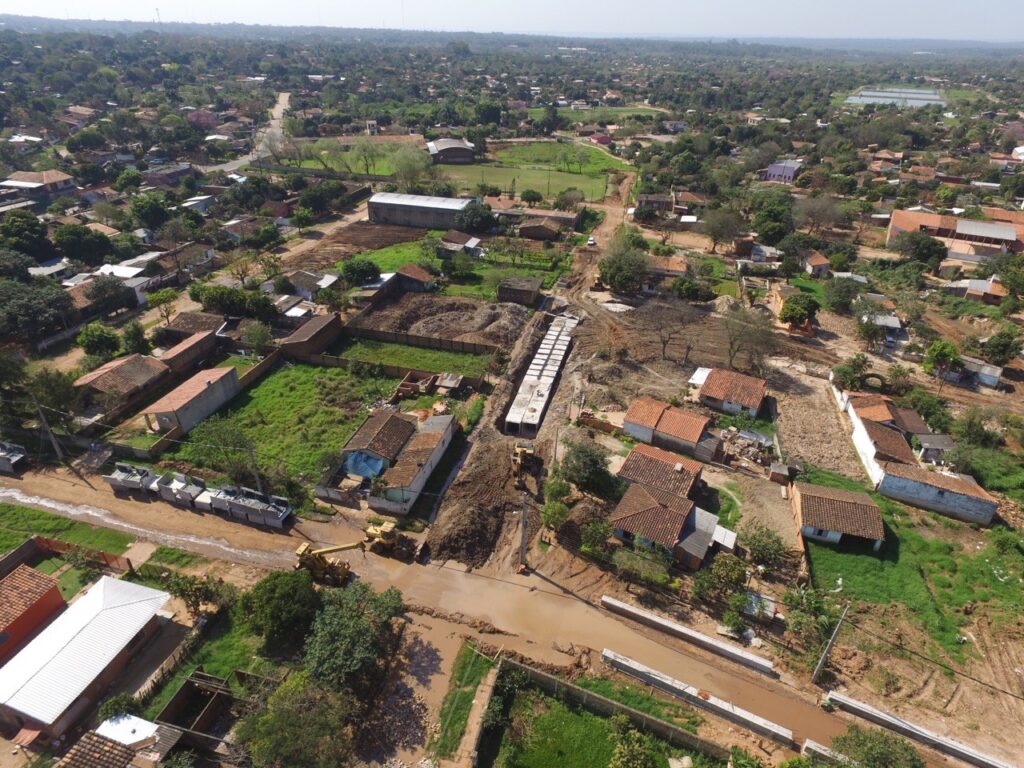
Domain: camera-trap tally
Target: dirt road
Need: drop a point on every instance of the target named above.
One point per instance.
(537, 616)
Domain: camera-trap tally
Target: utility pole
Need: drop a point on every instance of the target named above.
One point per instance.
(46, 426)
(828, 647)
(255, 469)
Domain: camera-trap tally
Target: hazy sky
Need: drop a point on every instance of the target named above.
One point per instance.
(941, 19)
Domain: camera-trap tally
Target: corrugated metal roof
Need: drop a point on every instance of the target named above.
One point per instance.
(989, 229)
(50, 673)
(421, 201)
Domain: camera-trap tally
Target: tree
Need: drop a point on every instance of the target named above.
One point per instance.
(109, 294)
(749, 332)
(941, 357)
(57, 394)
(569, 199)
(475, 217)
(586, 466)
(22, 231)
(1002, 346)
(798, 309)
(15, 265)
(633, 750)
(554, 514)
(839, 294)
(302, 218)
(365, 153)
(80, 243)
(721, 226)
(163, 302)
(233, 301)
(931, 408)
(816, 213)
(868, 331)
(358, 271)
(129, 178)
(726, 576)
(850, 375)
(119, 705)
(875, 748)
(257, 337)
(149, 210)
(352, 636)
(410, 165)
(897, 379)
(918, 246)
(174, 232)
(304, 724)
(972, 428)
(31, 310)
(624, 271)
(134, 339)
(99, 340)
(531, 196)
(281, 607)
(193, 591)
(595, 534)
(763, 544)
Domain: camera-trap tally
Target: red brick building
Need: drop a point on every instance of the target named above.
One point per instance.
(28, 600)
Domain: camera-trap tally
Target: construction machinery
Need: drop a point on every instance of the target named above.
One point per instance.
(385, 539)
(331, 571)
(525, 461)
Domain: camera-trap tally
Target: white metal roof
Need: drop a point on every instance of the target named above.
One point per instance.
(119, 270)
(50, 673)
(421, 201)
(15, 184)
(699, 377)
(989, 229)
(129, 730)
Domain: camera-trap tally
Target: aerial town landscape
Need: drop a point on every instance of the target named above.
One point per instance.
(450, 399)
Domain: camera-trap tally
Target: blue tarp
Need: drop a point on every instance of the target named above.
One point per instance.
(363, 464)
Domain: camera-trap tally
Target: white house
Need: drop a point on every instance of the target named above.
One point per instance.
(401, 484)
(950, 494)
(730, 392)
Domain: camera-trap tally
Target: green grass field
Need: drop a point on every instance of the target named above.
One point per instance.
(487, 277)
(176, 557)
(934, 577)
(548, 182)
(394, 256)
(467, 673)
(815, 288)
(299, 413)
(546, 154)
(547, 733)
(402, 355)
(17, 523)
(229, 645)
(639, 699)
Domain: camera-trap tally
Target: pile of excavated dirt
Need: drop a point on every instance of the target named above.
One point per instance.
(470, 520)
(450, 318)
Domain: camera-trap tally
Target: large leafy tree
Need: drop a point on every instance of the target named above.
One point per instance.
(721, 226)
(304, 723)
(624, 270)
(281, 607)
(32, 310)
(80, 243)
(22, 231)
(352, 635)
(99, 340)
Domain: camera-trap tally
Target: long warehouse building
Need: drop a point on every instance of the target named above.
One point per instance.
(416, 210)
(537, 387)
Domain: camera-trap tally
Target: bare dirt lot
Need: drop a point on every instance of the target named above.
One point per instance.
(811, 429)
(447, 317)
(347, 241)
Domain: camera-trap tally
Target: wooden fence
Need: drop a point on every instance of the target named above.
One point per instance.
(170, 665)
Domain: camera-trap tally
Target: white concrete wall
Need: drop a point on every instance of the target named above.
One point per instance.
(634, 430)
(865, 448)
(968, 508)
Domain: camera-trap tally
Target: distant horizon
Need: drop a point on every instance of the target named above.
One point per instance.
(746, 20)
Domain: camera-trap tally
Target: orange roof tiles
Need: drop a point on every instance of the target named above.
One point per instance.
(190, 390)
(20, 590)
(652, 515)
(834, 509)
(734, 387)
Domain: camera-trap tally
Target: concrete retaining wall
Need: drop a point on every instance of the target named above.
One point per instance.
(823, 753)
(716, 647)
(699, 698)
(915, 732)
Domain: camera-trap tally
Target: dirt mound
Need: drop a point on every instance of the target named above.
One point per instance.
(450, 318)
(470, 520)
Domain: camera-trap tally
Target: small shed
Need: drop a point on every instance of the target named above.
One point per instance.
(520, 290)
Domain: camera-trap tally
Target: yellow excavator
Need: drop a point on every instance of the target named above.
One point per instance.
(332, 571)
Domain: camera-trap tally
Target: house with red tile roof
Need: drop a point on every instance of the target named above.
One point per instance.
(657, 423)
(28, 600)
(950, 494)
(198, 398)
(732, 392)
(647, 518)
(832, 515)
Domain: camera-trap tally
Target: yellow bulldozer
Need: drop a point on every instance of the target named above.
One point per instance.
(525, 461)
(384, 539)
(332, 571)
